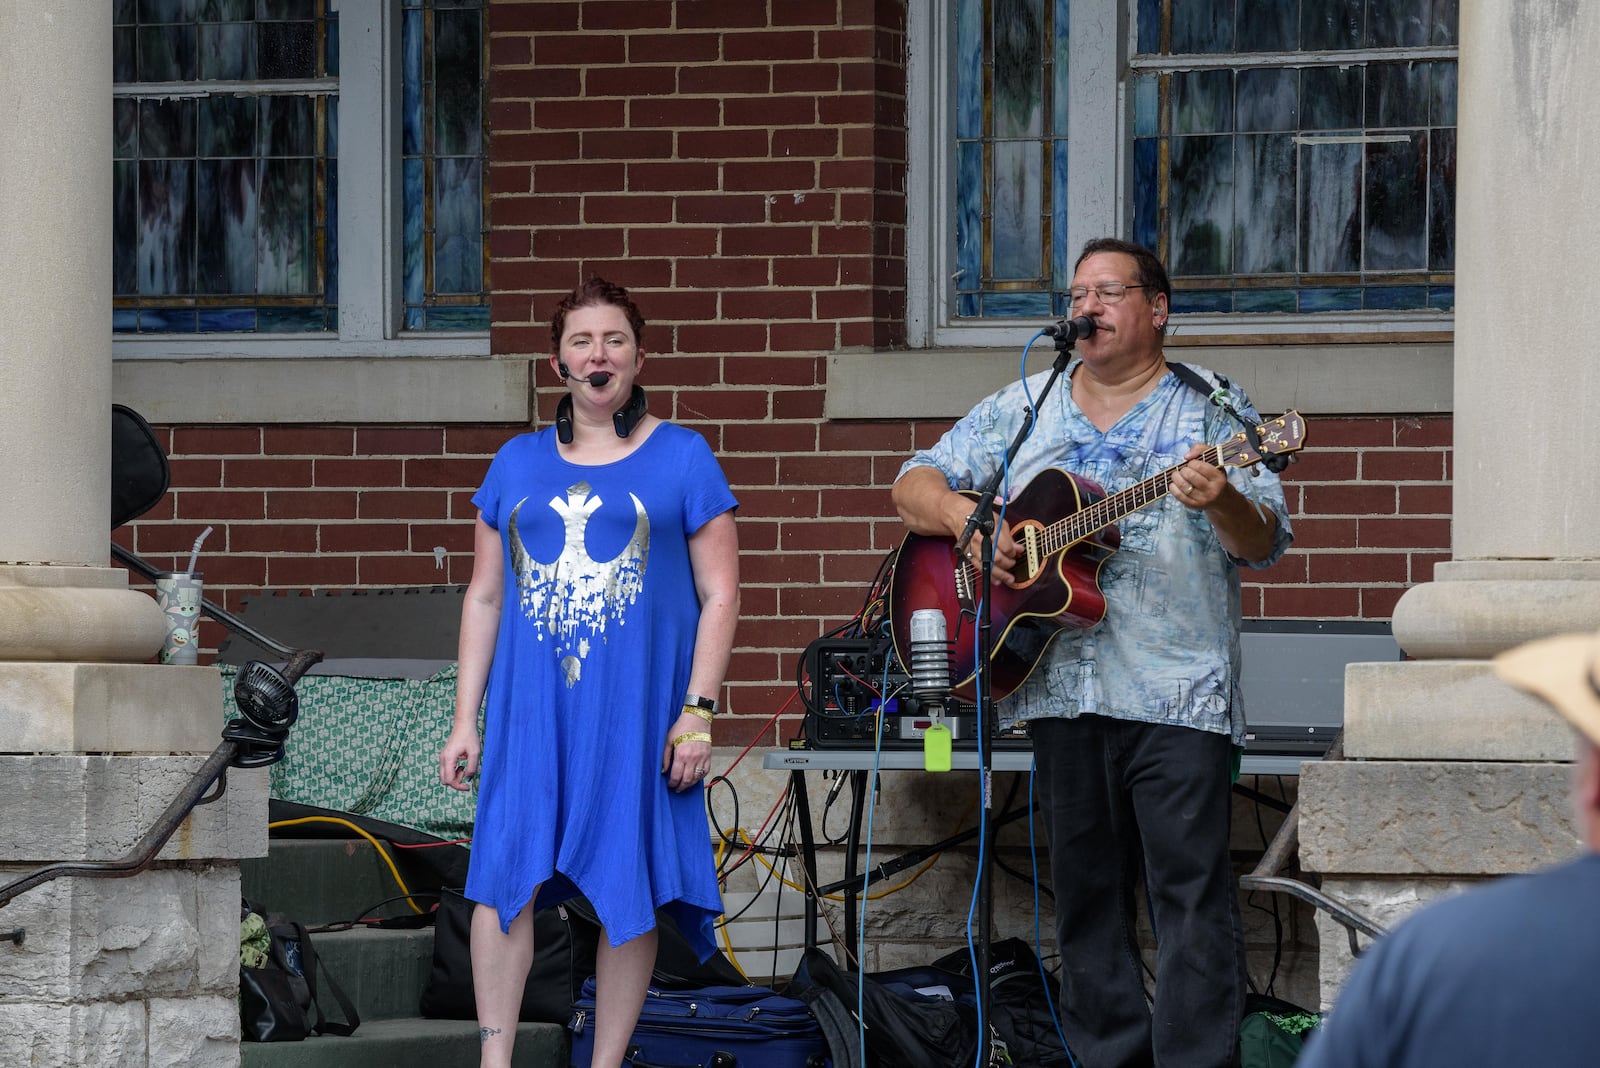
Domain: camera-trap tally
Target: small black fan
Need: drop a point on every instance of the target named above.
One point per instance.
(268, 707)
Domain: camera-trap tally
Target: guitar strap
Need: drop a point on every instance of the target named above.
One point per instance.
(1219, 397)
(1195, 381)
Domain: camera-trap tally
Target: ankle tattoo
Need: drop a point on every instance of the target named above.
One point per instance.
(486, 1033)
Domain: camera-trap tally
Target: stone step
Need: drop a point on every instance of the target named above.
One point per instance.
(382, 972)
(408, 1044)
(328, 880)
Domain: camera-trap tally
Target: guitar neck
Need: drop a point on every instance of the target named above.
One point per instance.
(1108, 510)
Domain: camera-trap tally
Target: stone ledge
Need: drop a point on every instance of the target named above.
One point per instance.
(74, 808)
(1446, 710)
(376, 389)
(63, 576)
(1479, 618)
(79, 623)
(1433, 818)
(48, 707)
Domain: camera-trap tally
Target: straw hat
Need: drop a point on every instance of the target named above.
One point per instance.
(1565, 671)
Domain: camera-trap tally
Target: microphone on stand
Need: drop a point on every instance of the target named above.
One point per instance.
(930, 683)
(1072, 329)
(930, 654)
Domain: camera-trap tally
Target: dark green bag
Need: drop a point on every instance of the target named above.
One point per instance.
(1273, 1032)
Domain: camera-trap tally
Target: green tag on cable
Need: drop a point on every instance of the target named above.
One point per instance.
(936, 748)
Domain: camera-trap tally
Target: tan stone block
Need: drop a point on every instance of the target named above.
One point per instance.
(92, 940)
(1433, 818)
(187, 1032)
(59, 576)
(1446, 710)
(48, 707)
(72, 808)
(37, 1034)
(217, 896)
(1479, 617)
(79, 623)
(45, 1034)
(1384, 902)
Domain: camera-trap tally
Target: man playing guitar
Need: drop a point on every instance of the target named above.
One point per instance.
(1135, 718)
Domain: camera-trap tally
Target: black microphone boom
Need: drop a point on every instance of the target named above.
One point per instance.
(1072, 329)
(598, 379)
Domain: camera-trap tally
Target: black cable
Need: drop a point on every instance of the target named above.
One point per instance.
(1023, 877)
(787, 799)
(777, 905)
(827, 806)
(414, 920)
(759, 845)
(711, 812)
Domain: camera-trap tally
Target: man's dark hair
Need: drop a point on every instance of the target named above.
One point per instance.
(596, 291)
(1148, 270)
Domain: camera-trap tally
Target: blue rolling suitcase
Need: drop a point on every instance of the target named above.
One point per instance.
(711, 1027)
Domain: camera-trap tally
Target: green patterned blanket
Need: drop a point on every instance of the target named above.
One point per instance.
(370, 747)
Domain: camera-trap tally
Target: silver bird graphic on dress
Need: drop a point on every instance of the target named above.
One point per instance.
(574, 597)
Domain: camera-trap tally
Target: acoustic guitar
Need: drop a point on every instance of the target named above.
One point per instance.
(1065, 529)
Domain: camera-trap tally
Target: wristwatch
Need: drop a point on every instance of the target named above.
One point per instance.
(694, 700)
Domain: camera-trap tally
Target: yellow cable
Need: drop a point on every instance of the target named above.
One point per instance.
(870, 897)
(375, 845)
(727, 948)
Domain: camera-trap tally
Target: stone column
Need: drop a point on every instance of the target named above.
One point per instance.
(138, 971)
(1460, 778)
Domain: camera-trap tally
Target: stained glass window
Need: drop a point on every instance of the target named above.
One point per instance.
(226, 176)
(225, 123)
(446, 267)
(1011, 155)
(1288, 156)
(1298, 157)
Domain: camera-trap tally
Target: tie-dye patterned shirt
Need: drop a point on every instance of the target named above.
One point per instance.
(1168, 648)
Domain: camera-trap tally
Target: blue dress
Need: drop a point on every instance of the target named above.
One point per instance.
(591, 664)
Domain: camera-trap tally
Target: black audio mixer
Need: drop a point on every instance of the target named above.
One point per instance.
(850, 681)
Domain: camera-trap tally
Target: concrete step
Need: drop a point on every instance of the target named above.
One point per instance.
(383, 972)
(408, 1044)
(321, 880)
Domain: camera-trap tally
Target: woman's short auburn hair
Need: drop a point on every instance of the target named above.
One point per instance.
(596, 291)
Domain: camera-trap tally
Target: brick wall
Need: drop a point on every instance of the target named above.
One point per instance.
(330, 508)
(739, 165)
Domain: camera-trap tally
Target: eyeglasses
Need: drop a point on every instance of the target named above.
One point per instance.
(1108, 292)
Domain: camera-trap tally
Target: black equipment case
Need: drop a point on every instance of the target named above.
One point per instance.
(711, 1027)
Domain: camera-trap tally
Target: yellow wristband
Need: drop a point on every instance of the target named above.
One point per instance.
(692, 736)
(695, 710)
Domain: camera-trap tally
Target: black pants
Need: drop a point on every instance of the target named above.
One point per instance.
(1117, 797)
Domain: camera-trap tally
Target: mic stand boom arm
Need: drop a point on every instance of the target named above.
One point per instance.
(982, 520)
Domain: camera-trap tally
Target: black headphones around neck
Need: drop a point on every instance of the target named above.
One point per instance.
(623, 420)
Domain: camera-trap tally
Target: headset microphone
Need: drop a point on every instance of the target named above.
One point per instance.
(598, 379)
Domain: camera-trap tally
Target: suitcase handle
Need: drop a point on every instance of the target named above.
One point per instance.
(719, 1059)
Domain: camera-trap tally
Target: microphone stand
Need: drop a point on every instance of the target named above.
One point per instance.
(982, 522)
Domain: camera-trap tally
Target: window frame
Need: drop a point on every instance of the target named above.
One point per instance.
(1100, 188)
(370, 219)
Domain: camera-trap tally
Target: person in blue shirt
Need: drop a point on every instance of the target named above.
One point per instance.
(1134, 720)
(1501, 973)
(595, 634)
